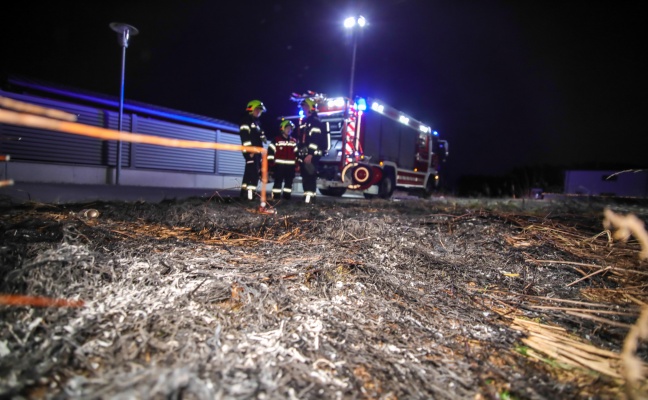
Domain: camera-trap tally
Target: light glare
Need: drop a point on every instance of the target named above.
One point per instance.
(362, 21)
(349, 22)
(337, 102)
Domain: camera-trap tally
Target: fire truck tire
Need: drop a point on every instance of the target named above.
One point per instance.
(333, 192)
(430, 188)
(387, 185)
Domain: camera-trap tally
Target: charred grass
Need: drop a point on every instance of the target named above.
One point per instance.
(205, 298)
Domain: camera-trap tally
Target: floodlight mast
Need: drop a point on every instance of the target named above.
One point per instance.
(124, 32)
(353, 23)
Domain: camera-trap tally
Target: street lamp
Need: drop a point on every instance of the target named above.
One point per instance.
(124, 31)
(354, 23)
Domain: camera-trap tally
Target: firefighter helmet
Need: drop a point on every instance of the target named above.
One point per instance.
(312, 104)
(286, 123)
(253, 104)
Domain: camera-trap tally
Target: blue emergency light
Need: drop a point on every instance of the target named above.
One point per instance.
(361, 104)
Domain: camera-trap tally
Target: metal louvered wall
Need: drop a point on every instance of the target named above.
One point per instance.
(229, 162)
(56, 147)
(170, 158)
(50, 146)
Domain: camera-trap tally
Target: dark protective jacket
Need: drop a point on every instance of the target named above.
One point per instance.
(314, 139)
(251, 134)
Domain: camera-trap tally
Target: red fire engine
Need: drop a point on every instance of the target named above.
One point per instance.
(374, 148)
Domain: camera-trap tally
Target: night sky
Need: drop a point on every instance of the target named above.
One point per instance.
(508, 83)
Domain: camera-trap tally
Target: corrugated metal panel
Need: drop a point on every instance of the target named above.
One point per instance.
(57, 147)
(51, 146)
(85, 115)
(160, 157)
(110, 146)
(103, 101)
(229, 162)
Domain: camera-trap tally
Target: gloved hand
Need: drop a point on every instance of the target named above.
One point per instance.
(308, 159)
(302, 153)
(263, 138)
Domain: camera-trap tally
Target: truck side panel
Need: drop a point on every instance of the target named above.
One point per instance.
(408, 139)
(387, 140)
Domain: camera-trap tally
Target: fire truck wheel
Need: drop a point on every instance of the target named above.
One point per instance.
(387, 185)
(430, 188)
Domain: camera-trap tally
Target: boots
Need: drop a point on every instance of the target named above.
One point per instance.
(309, 198)
(247, 195)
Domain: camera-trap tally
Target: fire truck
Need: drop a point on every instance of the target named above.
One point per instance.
(375, 149)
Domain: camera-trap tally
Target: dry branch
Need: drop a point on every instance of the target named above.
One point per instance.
(634, 371)
(565, 350)
(625, 226)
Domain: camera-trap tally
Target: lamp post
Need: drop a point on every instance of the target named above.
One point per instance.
(124, 31)
(354, 23)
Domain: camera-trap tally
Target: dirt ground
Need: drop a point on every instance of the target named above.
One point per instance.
(353, 299)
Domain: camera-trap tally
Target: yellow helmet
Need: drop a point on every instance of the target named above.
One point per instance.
(253, 104)
(311, 103)
(286, 123)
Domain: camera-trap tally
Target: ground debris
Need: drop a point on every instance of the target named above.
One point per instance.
(350, 299)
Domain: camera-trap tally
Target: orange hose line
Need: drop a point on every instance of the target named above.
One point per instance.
(37, 301)
(34, 109)
(35, 121)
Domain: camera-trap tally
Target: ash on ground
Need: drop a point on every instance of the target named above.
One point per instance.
(412, 299)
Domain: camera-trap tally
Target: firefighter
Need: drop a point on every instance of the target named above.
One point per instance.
(251, 135)
(311, 148)
(283, 151)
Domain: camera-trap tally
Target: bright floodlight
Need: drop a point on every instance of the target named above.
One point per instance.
(362, 21)
(377, 107)
(352, 21)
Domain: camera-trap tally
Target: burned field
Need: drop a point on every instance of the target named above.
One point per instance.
(204, 298)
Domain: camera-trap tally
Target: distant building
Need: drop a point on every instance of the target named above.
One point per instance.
(42, 156)
(631, 183)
